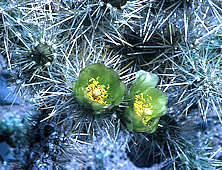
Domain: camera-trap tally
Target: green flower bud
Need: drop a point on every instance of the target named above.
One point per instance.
(146, 104)
(143, 81)
(99, 88)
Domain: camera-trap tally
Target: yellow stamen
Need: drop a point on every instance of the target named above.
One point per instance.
(97, 92)
(143, 107)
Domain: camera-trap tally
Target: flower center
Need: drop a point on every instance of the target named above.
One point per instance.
(97, 92)
(143, 107)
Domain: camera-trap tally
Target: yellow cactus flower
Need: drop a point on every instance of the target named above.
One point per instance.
(99, 88)
(146, 104)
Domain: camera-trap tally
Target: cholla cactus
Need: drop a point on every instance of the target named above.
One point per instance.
(31, 47)
(87, 83)
(146, 105)
(63, 48)
(199, 71)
